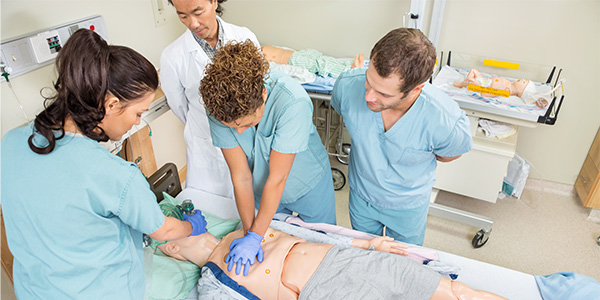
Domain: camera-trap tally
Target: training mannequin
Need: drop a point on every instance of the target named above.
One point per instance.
(292, 262)
(522, 88)
(312, 60)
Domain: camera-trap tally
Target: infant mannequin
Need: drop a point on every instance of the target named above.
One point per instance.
(312, 60)
(522, 88)
(292, 263)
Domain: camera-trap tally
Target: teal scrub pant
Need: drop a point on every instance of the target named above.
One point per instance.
(405, 225)
(316, 206)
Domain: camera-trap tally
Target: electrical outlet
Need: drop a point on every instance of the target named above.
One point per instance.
(159, 9)
(45, 45)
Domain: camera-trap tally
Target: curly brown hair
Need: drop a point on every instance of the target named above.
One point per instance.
(233, 84)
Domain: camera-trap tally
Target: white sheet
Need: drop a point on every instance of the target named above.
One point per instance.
(505, 282)
(217, 205)
(508, 283)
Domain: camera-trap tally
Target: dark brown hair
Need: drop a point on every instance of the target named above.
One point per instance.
(88, 70)
(219, 9)
(407, 53)
(233, 85)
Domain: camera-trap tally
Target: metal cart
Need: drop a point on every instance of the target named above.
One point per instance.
(330, 126)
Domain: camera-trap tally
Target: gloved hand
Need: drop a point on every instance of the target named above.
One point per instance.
(243, 251)
(198, 222)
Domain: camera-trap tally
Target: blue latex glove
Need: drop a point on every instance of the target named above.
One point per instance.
(198, 222)
(243, 251)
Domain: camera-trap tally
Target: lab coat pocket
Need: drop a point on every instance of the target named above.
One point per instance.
(207, 155)
(413, 157)
(207, 169)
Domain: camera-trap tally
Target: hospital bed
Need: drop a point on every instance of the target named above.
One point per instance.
(178, 276)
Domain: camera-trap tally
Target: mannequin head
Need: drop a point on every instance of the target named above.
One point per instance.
(519, 86)
(196, 249)
(526, 90)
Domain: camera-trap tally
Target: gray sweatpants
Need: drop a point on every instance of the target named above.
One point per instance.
(353, 273)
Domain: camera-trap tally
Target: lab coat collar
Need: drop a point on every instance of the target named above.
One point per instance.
(190, 42)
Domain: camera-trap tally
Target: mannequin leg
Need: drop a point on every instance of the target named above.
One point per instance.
(471, 78)
(359, 61)
(456, 290)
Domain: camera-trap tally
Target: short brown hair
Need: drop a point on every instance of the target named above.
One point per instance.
(233, 84)
(406, 52)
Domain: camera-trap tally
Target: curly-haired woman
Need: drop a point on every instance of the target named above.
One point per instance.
(262, 121)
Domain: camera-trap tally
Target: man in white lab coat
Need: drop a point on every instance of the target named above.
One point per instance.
(182, 65)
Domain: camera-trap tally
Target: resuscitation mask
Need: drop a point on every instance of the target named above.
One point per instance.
(170, 210)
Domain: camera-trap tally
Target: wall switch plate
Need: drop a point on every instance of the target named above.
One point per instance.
(159, 9)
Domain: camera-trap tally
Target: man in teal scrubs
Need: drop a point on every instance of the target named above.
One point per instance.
(262, 121)
(400, 128)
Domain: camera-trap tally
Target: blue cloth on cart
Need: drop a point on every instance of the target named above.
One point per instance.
(568, 285)
(323, 85)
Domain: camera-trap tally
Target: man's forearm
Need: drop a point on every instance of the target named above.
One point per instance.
(446, 158)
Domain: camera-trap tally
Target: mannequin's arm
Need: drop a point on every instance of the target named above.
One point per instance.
(381, 243)
(449, 289)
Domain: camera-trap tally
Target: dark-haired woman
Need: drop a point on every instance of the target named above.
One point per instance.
(75, 213)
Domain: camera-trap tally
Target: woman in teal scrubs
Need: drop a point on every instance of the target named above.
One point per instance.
(262, 121)
(74, 212)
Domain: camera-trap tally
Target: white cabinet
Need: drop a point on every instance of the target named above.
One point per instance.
(479, 173)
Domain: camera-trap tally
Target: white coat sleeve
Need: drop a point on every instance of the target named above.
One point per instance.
(254, 39)
(172, 87)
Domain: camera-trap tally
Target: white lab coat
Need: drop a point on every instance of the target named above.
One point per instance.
(182, 65)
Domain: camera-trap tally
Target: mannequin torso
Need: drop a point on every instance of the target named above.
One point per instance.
(289, 263)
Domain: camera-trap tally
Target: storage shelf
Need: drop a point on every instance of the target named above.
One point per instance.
(505, 147)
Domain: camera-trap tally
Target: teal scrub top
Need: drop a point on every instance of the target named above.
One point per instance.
(286, 127)
(396, 169)
(74, 219)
